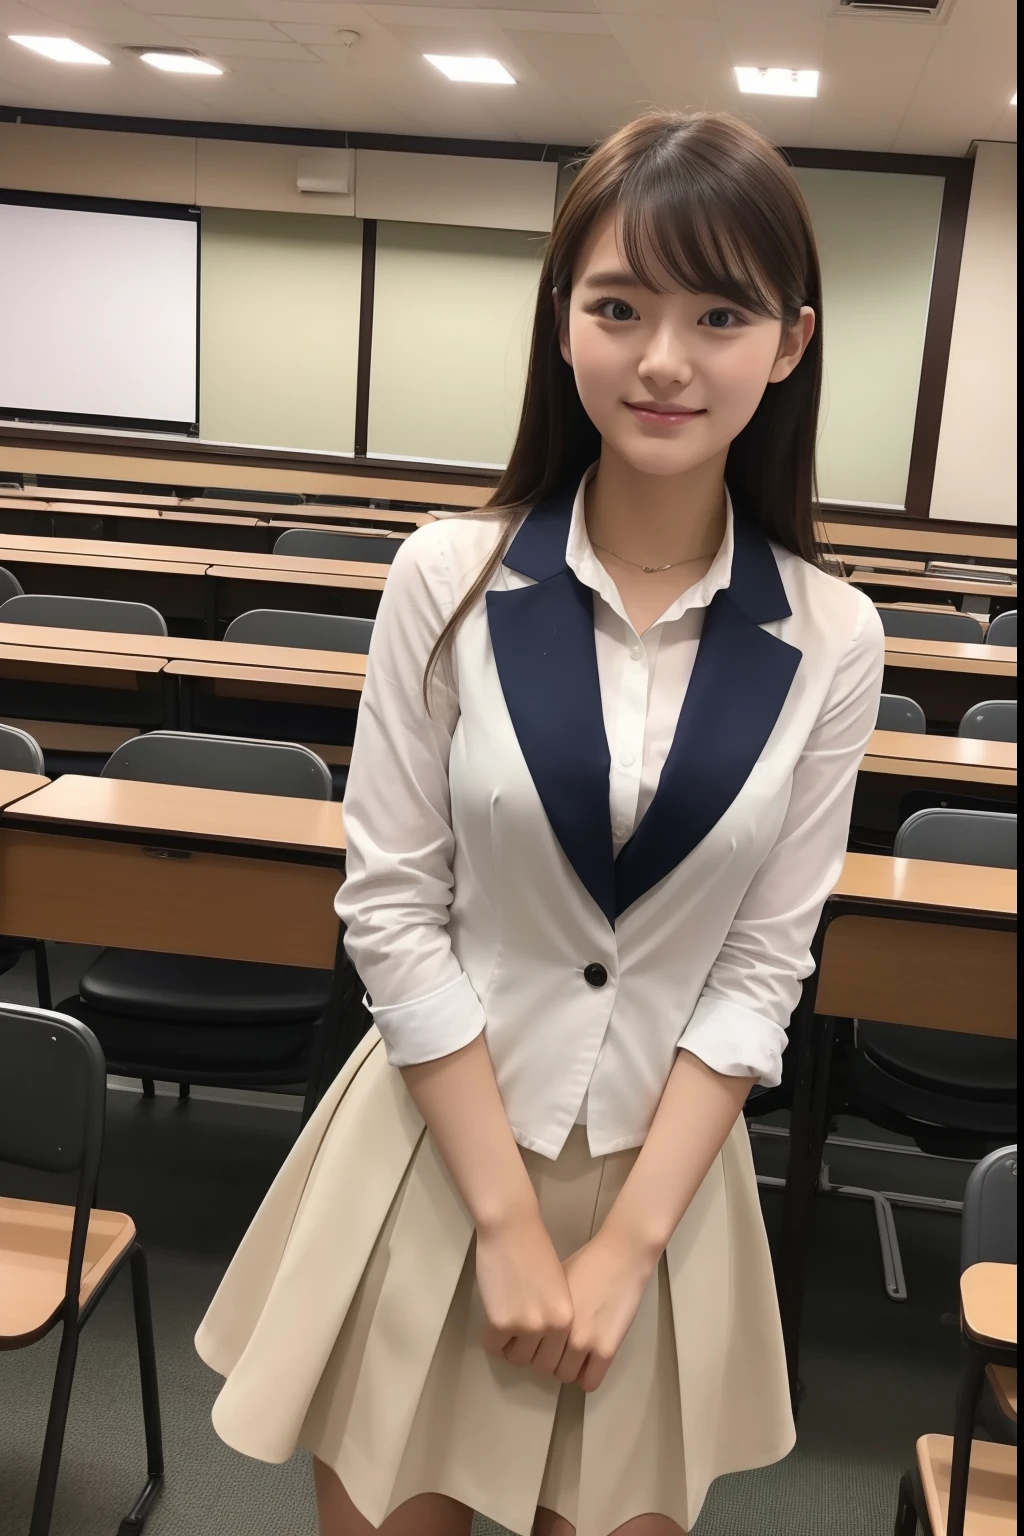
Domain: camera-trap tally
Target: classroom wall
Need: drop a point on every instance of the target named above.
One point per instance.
(452, 316)
(876, 234)
(279, 329)
(976, 464)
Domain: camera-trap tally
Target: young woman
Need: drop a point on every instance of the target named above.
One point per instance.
(599, 792)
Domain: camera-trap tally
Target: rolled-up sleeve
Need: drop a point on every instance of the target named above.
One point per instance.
(739, 1024)
(398, 872)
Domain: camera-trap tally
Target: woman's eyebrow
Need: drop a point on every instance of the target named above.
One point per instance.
(612, 279)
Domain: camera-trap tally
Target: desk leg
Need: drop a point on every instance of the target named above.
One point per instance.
(808, 1119)
(210, 605)
(343, 1025)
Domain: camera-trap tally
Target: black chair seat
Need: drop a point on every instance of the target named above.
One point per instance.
(190, 989)
(199, 1052)
(966, 1066)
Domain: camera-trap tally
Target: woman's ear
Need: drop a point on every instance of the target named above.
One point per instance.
(562, 326)
(793, 345)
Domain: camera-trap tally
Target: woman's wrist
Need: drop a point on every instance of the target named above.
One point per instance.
(638, 1233)
(500, 1216)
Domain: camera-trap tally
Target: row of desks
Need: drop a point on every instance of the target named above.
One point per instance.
(956, 675)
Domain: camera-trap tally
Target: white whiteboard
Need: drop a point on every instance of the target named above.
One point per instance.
(98, 314)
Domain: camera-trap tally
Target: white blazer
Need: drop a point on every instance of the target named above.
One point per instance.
(483, 891)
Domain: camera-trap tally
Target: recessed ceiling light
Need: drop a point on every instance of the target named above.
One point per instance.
(472, 71)
(179, 63)
(63, 50)
(778, 82)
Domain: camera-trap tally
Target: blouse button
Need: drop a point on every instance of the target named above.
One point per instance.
(627, 759)
(636, 651)
(594, 974)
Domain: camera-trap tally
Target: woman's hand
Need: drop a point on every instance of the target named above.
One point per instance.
(524, 1291)
(606, 1278)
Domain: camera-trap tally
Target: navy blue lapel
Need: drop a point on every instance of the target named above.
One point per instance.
(543, 642)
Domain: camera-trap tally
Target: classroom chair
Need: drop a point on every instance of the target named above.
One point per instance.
(325, 725)
(954, 1095)
(84, 704)
(993, 720)
(1003, 629)
(310, 631)
(57, 1261)
(21, 753)
(10, 586)
(898, 713)
(959, 1484)
(321, 544)
(102, 613)
(924, 624)
(190, 1019)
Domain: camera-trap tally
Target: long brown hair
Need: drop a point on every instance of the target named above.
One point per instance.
(706, 200)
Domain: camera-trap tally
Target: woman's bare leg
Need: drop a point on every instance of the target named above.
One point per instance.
(429, 1515)
(548, 1524)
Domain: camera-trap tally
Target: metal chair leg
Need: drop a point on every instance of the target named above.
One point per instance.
(963, 1436)
(906, 1510)
(53, 1443)
(148, 1088)
(184, 1090)
(43, 992)
(136, 1518)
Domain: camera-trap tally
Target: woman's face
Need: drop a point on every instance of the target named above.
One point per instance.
(668, 379)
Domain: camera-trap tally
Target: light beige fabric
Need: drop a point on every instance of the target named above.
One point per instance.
(349, 1323)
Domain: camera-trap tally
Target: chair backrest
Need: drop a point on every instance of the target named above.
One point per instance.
(911, 624)
(1001, 631)
(10, 586)
(992, 720)
(322, 544)
(221, 762)
(52, 1086)
(315, 631)
(988, 1229)
(898, 713)
(960, 837)
(57, 612)
(19, 752)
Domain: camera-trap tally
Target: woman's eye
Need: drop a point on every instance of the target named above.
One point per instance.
(617, 309)
(721, 319)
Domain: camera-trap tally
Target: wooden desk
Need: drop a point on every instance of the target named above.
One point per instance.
(961, 586)
(988, 1303)
(15, 785)
(904, 941)
(947, 678)
(948, 759)
(911, 542)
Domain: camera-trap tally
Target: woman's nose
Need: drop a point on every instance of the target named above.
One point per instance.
(666, 362)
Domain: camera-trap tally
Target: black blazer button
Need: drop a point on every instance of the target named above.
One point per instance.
(595, 975)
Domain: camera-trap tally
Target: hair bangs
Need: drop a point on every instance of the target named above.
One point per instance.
(679, 230)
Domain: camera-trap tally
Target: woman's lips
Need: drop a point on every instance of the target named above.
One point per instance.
(662, 415)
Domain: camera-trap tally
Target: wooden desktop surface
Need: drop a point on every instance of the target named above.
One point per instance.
(115, 560)
(951, 656)
(864, 578)
(937, 542)
(170, 648)
(18, 659)
(965, 888)
(124, 805)
(988, 1303)
(262, 677)
(912, 755)
(202, 508)
(28, 546)
(15, 785)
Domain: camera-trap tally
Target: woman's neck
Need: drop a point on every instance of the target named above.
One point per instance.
(656, 519)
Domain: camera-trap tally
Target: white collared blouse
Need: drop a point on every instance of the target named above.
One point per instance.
(562, 855)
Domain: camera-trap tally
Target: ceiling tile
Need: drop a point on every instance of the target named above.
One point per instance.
(679, 10)
(970, 74)
(591, 72)
(237, 10)
(785, 34)
(869, 70)
(230, 49)
(251, 31)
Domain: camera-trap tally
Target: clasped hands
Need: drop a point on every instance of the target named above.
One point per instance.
(562, 1319)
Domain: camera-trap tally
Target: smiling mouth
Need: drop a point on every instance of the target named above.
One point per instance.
(667, 413)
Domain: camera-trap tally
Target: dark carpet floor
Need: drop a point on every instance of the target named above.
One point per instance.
(876, 1374)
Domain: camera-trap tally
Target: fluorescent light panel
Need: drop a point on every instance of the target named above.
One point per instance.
(470, 71)
(180, 63)
(62, 50)
(777, 82)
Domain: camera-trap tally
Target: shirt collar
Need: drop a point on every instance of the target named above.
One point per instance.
(581, 559)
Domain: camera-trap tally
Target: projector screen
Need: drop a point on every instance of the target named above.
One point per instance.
(98, 315)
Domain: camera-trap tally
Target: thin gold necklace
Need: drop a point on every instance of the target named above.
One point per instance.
(651, 570)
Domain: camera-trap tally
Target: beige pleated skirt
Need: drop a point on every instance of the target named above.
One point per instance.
(349, 1324)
